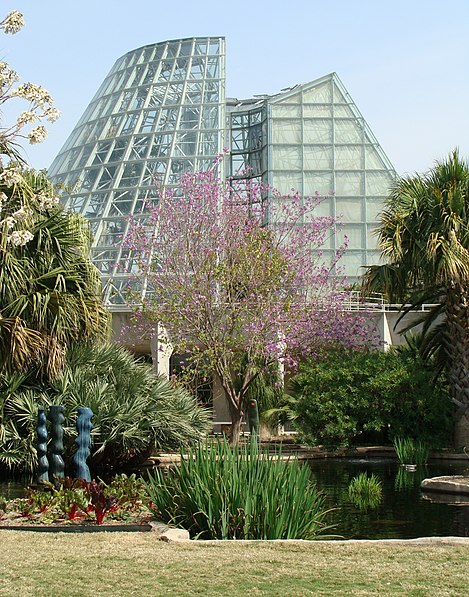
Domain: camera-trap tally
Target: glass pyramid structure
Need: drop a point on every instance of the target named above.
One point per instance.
(162, 111)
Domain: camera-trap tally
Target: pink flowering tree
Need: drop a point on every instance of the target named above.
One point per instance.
(235, 275)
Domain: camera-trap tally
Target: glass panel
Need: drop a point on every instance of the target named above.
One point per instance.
(89, 178)
(355, 234)
(161, 145)
(317, 157)
(317, 110)
(372, 235)
(119, 149)
(378, 183)
(320, 182)
(139, 148)
(286, 131)
(349, 183)
(373, 159)
(287, 182)
(352, 263)
(317, 131)
(350, 210)
(106, 177)
(287, 158)
(348, 131)
(374, 207)
(96, 204)
(348, 157)
(286, 111)
(131, 174)
(324, 208)
(343, 111)
(321, 94)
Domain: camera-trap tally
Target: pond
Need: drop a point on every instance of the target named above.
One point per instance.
(11, 489)
(403, 513)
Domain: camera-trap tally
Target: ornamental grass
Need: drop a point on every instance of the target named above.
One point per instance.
(365, 492)
(219, 492)
(410, 451)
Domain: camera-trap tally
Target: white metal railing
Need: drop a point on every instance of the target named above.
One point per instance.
(375, 301)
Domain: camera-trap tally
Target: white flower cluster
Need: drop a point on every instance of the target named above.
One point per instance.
(22, 213)
(8, 76)
(52, 114)
(37, 135)
(9, 222)
(19, 238)
(13, 22)
(11, 176)
(34, 93)
(44, 202)
(41, 103)
(26, 118)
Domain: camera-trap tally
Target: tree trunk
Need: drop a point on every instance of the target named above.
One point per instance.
(236, 423)
(457, 347)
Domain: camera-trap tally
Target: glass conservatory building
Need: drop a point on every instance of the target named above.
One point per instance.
(162, 111)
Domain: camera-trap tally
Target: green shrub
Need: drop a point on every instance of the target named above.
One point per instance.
(244, 493)
(135, 412)
(356, 396)
(365, 492)
(409, 451)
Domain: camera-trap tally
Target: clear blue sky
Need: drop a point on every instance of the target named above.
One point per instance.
(404, 62)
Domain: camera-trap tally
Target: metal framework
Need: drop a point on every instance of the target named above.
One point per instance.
(162, 111)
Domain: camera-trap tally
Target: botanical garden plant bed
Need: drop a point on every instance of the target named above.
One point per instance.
(138, 522)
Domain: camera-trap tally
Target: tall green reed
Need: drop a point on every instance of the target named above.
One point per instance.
(409, 451)
(219, 492)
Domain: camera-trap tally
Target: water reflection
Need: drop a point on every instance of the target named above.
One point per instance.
(403, 512)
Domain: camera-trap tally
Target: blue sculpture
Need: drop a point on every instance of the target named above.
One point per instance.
(43, 463)
(83, 442)
(56, 462)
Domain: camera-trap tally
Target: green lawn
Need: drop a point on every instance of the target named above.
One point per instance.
(114, 564)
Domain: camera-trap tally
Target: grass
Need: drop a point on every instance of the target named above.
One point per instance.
(124, 564)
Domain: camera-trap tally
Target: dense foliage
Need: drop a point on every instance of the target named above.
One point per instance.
(352, 397)
(50, 292)
(220, 493)
(424, 241)
(134, 411)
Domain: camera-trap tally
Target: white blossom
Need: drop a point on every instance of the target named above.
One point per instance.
(9, 222)
(3, 200)
(22, 213)
(11, 176)
(33, 93)
(44, 201)
(52, 114)
(37, 135)
(8, 76)
(19, 238)
(13, 22)
(26, 118)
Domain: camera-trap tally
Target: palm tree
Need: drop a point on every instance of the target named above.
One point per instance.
(424, 238)
(50, 292)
